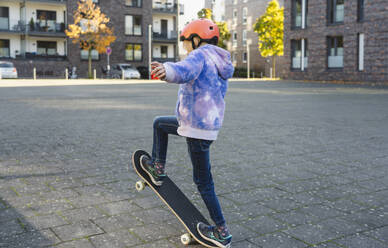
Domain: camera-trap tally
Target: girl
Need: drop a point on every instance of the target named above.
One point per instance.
(203, 78)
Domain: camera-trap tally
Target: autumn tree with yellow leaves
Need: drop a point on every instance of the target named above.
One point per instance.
(270, 30)
(90, 30)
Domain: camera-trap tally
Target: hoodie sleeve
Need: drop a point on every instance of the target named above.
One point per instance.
(185, 71)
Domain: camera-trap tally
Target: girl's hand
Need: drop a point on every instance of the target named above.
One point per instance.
(158, 70)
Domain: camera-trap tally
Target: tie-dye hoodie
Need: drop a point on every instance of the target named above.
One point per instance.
(203, 78)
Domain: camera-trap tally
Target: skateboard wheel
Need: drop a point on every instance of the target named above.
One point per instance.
(140, 185)
(186, 239)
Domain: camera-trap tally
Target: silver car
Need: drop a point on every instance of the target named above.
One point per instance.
(128, 70)
(8, 70)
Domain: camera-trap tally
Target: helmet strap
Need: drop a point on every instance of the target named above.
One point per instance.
(193, 43)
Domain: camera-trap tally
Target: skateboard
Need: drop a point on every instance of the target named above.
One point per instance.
(175, 200)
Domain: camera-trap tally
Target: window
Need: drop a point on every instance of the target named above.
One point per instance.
(297, 13)
(245, 15)
(234, 39)
(361, 42)
(235, 16)
(4, 18)
(133, 3)
(87, 25)
(234, 57)
(164, 52)
(46, 20)
(335, 52)
(336, 11)
(296, 54)
(4, 49)
(94, 54)
(235, 2)
(360, 10)
(46, 48)
(245, 57)
(133, 25)
(134, 52)
(244, 37)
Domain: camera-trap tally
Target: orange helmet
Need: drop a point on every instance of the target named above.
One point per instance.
(204, 29)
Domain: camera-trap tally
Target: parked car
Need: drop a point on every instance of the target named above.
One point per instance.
(128, 69)
(143, 71)
(8, 70)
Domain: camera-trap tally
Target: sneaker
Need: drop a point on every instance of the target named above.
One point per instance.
(147, 165)
(211, 234)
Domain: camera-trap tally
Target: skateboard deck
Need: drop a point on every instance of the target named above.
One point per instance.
(175, 200)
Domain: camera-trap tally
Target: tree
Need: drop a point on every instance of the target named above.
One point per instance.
(224, 32)
(206, 13)
(90, 30)
(269, 28)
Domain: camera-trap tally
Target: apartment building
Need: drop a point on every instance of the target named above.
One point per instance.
(240, 16)
(32, 32)
(32, 35)
(336, 40)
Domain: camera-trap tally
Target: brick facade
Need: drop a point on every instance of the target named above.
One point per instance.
(374, 26)
(116, 11)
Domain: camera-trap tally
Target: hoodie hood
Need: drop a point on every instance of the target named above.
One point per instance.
(221, 59)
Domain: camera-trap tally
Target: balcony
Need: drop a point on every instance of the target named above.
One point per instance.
(167, 8)
(49, 1)
(165, 37)
(42, 28)
(163, 60)
(46, 28)
(6, 26)
(35, 56)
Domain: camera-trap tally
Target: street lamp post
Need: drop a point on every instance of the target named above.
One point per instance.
(177, 29)
(248, 60)
(149, 50)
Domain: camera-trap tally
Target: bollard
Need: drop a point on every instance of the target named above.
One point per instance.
(270, 72)
(66, 74)
(261, 74)
(94, 74)
(34, 73)
(0, 75)
(122, 75)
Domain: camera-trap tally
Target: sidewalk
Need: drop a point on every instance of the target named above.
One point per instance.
(64, 82)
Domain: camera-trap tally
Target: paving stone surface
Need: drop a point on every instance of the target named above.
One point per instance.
(295, 165)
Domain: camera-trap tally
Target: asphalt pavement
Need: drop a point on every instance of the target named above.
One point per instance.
(295, 165)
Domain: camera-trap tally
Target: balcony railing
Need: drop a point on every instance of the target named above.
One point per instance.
(35, 56)
(163, 60)
(49, 1)
(40, 27)
(168, 7)
(46, 27)
(165, 36)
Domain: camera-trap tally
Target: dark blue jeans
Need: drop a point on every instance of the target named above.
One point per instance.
(200, 159)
